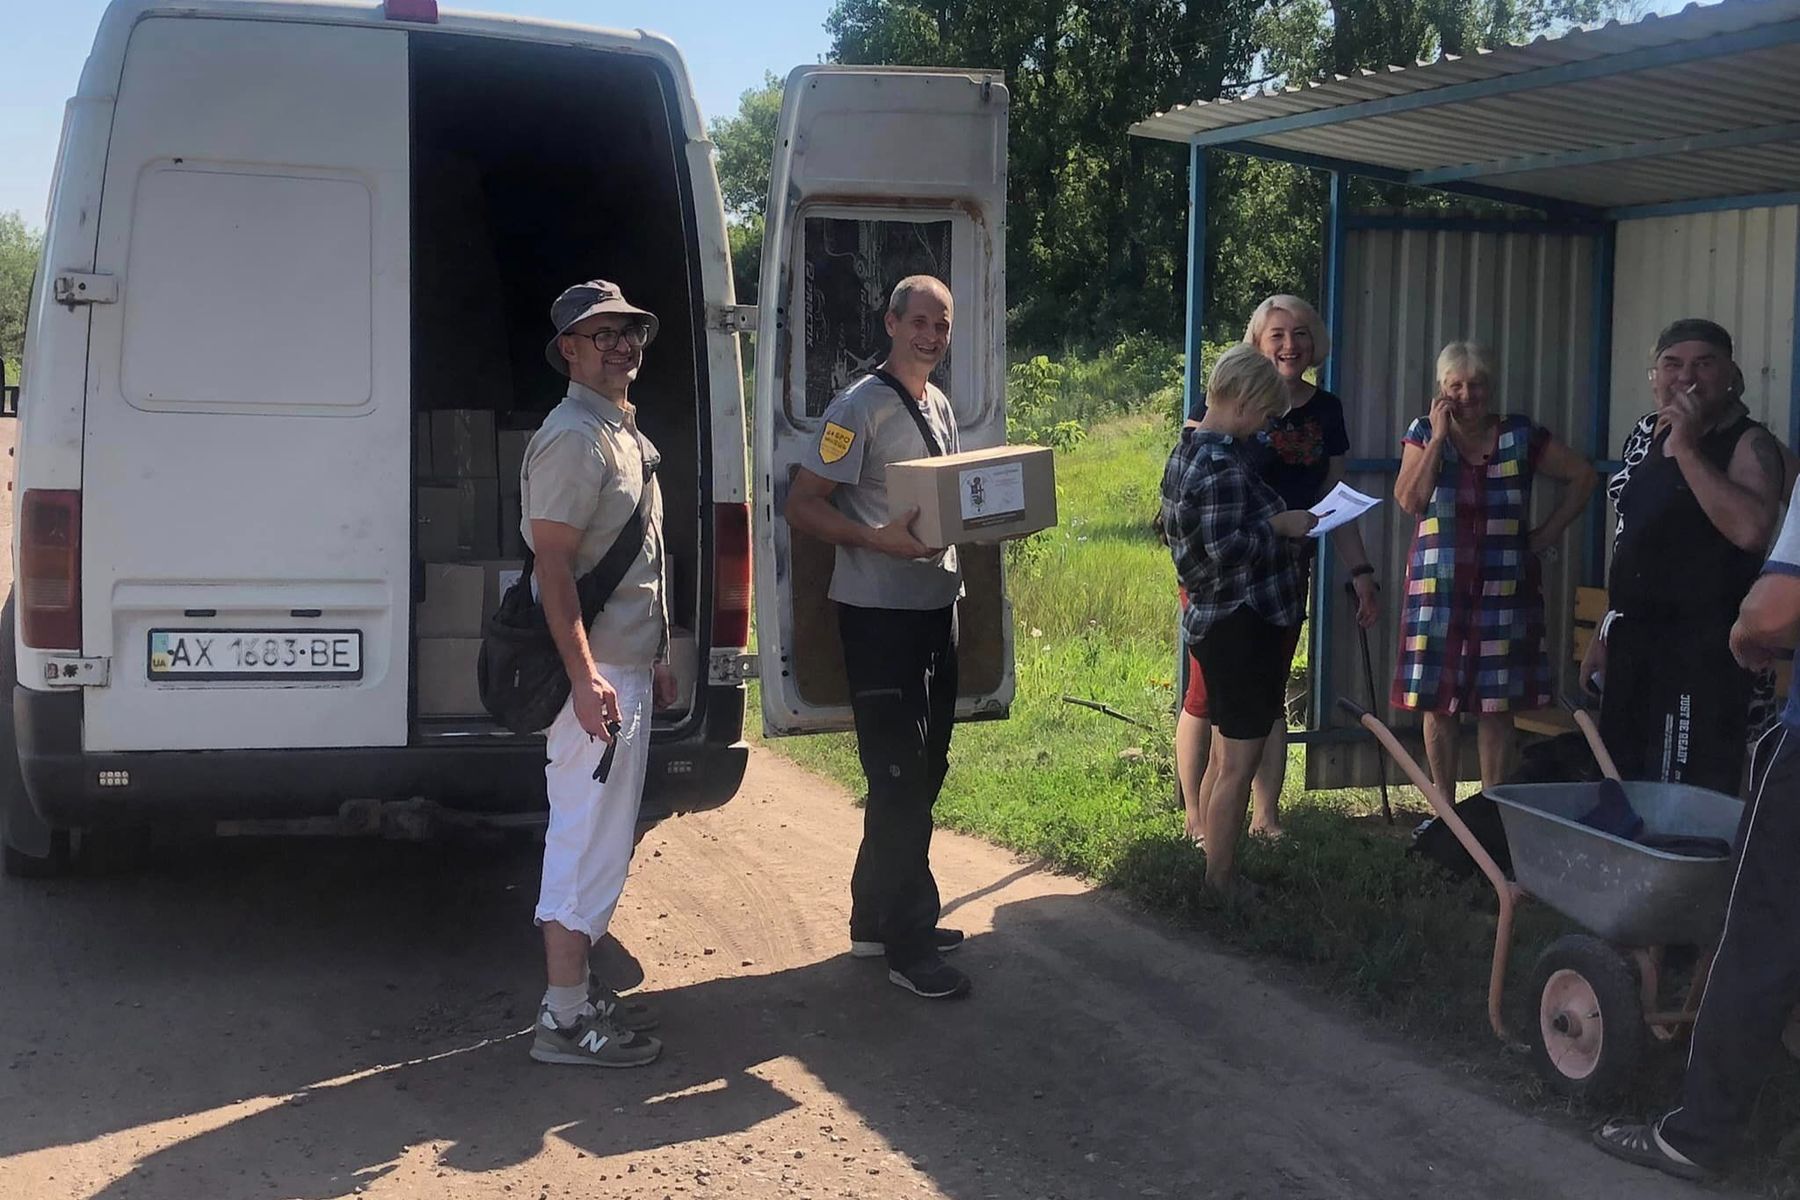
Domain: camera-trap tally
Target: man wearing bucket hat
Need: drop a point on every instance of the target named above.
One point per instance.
(1698, 501)
(587, 473)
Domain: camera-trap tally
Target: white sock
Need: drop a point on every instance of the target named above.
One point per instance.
(567, 1004)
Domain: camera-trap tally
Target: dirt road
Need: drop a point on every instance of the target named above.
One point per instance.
(307, 1019)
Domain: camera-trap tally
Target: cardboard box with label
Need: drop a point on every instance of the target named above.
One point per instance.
(976, 496)
(458, 520)
(452, 606)
(447, 683)
(496, 576)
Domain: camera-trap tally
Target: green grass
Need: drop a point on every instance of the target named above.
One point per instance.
(1094, 606)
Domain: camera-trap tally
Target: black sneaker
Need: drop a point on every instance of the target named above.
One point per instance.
(932, 978)
(942, 940)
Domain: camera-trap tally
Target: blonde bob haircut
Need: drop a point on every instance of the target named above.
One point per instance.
(1465, 358)
(1302, 312)
(1243, 376)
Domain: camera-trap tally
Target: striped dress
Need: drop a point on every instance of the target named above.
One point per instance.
(1472, 633)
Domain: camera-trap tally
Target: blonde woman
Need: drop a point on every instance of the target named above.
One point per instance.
(1302, 455)
(1238, 552)
(1472, 626)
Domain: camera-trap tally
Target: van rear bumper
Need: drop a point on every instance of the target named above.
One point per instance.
(688, 774)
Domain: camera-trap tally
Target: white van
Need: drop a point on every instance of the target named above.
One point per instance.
(289, 320)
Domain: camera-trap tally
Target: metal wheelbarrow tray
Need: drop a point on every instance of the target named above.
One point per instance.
(1625, 892)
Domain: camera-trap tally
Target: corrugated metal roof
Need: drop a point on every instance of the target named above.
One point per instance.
(1731, 94)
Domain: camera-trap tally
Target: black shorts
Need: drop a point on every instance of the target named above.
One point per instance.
(1245, 662)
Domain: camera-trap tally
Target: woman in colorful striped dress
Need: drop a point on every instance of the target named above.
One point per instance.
(1472, 623)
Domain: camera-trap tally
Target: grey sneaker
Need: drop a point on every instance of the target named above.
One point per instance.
(592, 1041)
(627, 1013)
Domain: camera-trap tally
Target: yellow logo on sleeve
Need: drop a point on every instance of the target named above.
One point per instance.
(835, 442)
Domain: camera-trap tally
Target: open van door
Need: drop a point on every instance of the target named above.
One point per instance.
(879, 173)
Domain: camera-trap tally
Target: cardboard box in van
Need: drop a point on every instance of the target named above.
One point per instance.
(509, 447)
(684, 660)
(976, 496)
(462, 443)
(454, 604)
(447, 682)
(459, 520)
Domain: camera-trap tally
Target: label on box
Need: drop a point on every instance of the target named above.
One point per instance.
(507, 579)
(992, 495)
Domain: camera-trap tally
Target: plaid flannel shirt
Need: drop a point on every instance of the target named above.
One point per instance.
(1215, 512)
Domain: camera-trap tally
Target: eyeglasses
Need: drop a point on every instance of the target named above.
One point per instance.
(635, 336)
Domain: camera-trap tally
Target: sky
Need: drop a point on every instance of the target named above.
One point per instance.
(728, 45)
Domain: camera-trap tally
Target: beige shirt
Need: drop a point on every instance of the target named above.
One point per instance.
(585, 468)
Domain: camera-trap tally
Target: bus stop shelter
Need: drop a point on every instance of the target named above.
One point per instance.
(1654, 170)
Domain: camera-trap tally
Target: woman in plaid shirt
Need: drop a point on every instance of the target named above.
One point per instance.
(1236, 551)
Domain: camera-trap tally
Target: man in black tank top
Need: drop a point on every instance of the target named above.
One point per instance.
(1695, 519)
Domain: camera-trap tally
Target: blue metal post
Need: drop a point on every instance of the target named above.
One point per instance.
(1600, 388)
(1325, 598)
(1195, 383)
(1793, 383)
(1196, 311)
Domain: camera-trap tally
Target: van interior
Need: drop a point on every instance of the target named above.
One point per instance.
(535, 167)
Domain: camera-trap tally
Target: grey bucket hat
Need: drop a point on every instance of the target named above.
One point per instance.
(585, 300)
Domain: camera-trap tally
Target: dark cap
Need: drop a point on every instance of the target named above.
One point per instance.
(1694, 329)
(585, 300)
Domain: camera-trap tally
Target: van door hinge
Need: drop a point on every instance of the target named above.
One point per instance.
(73, 289)
(731, 318)
(728, 668)
(66, 671)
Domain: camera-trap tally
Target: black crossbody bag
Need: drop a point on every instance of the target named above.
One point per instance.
(913, 408)
(520, 671)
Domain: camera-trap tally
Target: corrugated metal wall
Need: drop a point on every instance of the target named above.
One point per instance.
(1529, 297)
(1735, 267)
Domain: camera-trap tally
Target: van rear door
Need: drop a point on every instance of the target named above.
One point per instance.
(879, 173)
(246, 526)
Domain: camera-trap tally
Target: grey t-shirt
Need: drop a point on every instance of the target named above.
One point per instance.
(864, 429)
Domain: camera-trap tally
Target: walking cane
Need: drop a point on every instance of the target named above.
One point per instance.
(1374, 701)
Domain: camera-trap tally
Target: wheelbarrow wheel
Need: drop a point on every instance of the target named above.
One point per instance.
(1589, 1031)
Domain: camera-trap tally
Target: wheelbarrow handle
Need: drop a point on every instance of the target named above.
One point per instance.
(1352, 707)
(1505, 891)
(1584, 721)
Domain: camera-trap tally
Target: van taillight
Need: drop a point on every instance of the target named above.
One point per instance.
(731, 575)
(49, 603)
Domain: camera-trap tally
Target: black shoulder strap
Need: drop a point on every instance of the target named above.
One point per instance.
(912, 406)
(597, 586)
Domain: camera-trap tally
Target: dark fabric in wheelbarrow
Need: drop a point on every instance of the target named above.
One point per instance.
(1613, 814)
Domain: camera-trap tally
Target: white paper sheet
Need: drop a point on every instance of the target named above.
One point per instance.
(1341, 505)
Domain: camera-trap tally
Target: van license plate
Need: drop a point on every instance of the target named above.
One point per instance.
(249, 654)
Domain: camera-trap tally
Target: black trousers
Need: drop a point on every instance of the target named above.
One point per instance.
(1755, 981)
(1676, 706)
(902, 669)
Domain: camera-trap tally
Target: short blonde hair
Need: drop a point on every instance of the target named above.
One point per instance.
(1243, 376)
(1465, 358)
(1302, 312)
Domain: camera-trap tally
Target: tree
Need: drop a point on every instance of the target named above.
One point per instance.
(743, 145)
(1097, 219)
(18, 259)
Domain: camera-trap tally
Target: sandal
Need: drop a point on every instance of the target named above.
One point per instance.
(1640, 1143)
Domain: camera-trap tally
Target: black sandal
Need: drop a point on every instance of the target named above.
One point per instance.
(1637, 1142)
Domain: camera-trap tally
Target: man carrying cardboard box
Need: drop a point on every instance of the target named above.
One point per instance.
(896, 602)
(584, 475)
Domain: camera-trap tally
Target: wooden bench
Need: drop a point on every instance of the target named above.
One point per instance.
(1590, 606)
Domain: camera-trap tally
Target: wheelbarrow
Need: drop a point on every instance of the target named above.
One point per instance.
(1598, 993)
